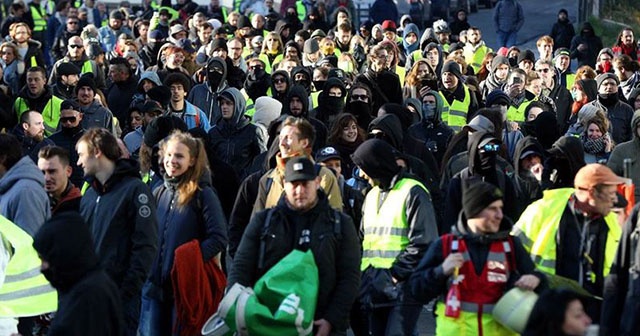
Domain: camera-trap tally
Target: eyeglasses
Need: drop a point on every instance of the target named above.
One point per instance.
(76, 46)
(358, 97)
(279, 80)
(543, 70)
(489, 148)
(68, 119)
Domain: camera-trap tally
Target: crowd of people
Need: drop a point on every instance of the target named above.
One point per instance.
(155, 157)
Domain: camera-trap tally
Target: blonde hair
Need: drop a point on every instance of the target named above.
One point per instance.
(13, 47)
(189, 185)
(275, 36)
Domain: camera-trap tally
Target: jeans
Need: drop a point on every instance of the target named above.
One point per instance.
(156, 317)
(507, 39)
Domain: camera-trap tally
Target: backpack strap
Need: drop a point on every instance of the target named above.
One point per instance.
(263, 244)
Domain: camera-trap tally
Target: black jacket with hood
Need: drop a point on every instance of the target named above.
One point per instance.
(527, 187)
(565, 158)
(119, 95)
(385, 87)
(321, 129)
(630, 150)
(432, 132)
(473, 173)
(121, 216)
(281, 97)
(88, 300)
(236, 141)
(329, 107)
(594, 45)
(205, 97)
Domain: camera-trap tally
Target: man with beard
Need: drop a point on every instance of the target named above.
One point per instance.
(385, 85)
(89, 301)
(36, 96)
(54, 163)
(205, 95)
(618, 112)
(94, 114)
(76, 55)
(193, 117)
(108, 35)
(30, 132)
(330, 101)
(297, 105)
(66, 80)
(71, 118)
(149, 53)
(123, 87)
(562, 31)
(475, 49)
(627, 71)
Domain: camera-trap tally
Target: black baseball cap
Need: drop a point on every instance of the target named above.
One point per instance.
(327, 153)
(299, 169)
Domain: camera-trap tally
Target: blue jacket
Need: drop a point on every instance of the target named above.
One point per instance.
(108, 37)
(508, 16)
(202, 218)
(383, 10)
(189, 117)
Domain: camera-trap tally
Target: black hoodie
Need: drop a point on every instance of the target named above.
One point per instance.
(594, 45)
(566, 157)
(281, 97)
(89, 302)
(121, 215)
(527, 187)
(330, 107)
(472, 174)
(321, 130)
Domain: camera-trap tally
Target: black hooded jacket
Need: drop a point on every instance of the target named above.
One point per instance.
(562, 33)
(473, 173)
(432, 132)
(527, 187)
(321, 129)
(281, 97)
(385, 87)
(121, 216)
(594, 45)
(88, 302)
(565, 157)
(330, 107)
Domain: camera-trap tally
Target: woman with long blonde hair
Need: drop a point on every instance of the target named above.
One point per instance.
(187, 209)
(272, 51)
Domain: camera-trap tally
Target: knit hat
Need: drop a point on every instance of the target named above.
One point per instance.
(388, 25)
(601, 78)
(562, 10)
(186, 45)
(151, 107)
(441, 26)
(561, 52)
(455, 46)
(497, 97)
(607, 51)
(318, 33)
(161, 94)
(218, 43)
(86, 81)
(526, 55)
(117, 15)
(66, 69)
(156, 34)
(243, 22)
(452, 67)
(161, 127)
(478, 197)
(311, 46)
(499, 60)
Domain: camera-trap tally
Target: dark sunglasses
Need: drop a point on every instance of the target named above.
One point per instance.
(76, 46)
(279, 80)
(359, 97)
(68, 119)
(489, 148)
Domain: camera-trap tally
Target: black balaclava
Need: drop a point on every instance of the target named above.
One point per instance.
(257, 83)
(65, 242)
(216, 73)
(378, 160)
(333, 105)
(305, 83)
(482, 163)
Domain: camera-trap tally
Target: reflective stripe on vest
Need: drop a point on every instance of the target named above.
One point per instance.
(475, 59)
(402, 73)
(33, 62)
(386, 228)
(314, 98)
(50, 113)
(264, 58)
(455, 115)
(571, 79)
(478, 293)
(39, 23)
(539, 224)
(301, 9)
(225, 13)
(25, 291)
(236, 5)
(517, 113)
(87, 67)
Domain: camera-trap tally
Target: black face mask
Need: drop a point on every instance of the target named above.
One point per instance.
(487, 161)
(71, 130)
(214, 78)
(256, 73)
(334, 105)
(319, 84)
(59, 280)
(360, 108)
(608, 99)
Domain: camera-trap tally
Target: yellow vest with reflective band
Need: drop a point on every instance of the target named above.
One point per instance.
(268, 65)
(517, 113)
(475, 59)
(570, 78)
(39, 22)
(301, 9)
(87, 67)
(417, 55)
(225, 13)
(539, 224)
(25, 291)
(386, 229)
(50, 113)
(251, 106)
(455, 115)
(33, 62)
(314, 98)
(236, 5)
(402, 73)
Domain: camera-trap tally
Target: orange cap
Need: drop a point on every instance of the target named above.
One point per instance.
(594, 174)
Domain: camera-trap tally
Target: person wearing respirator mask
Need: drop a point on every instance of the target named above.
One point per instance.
(205, 95)
(431, 130)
